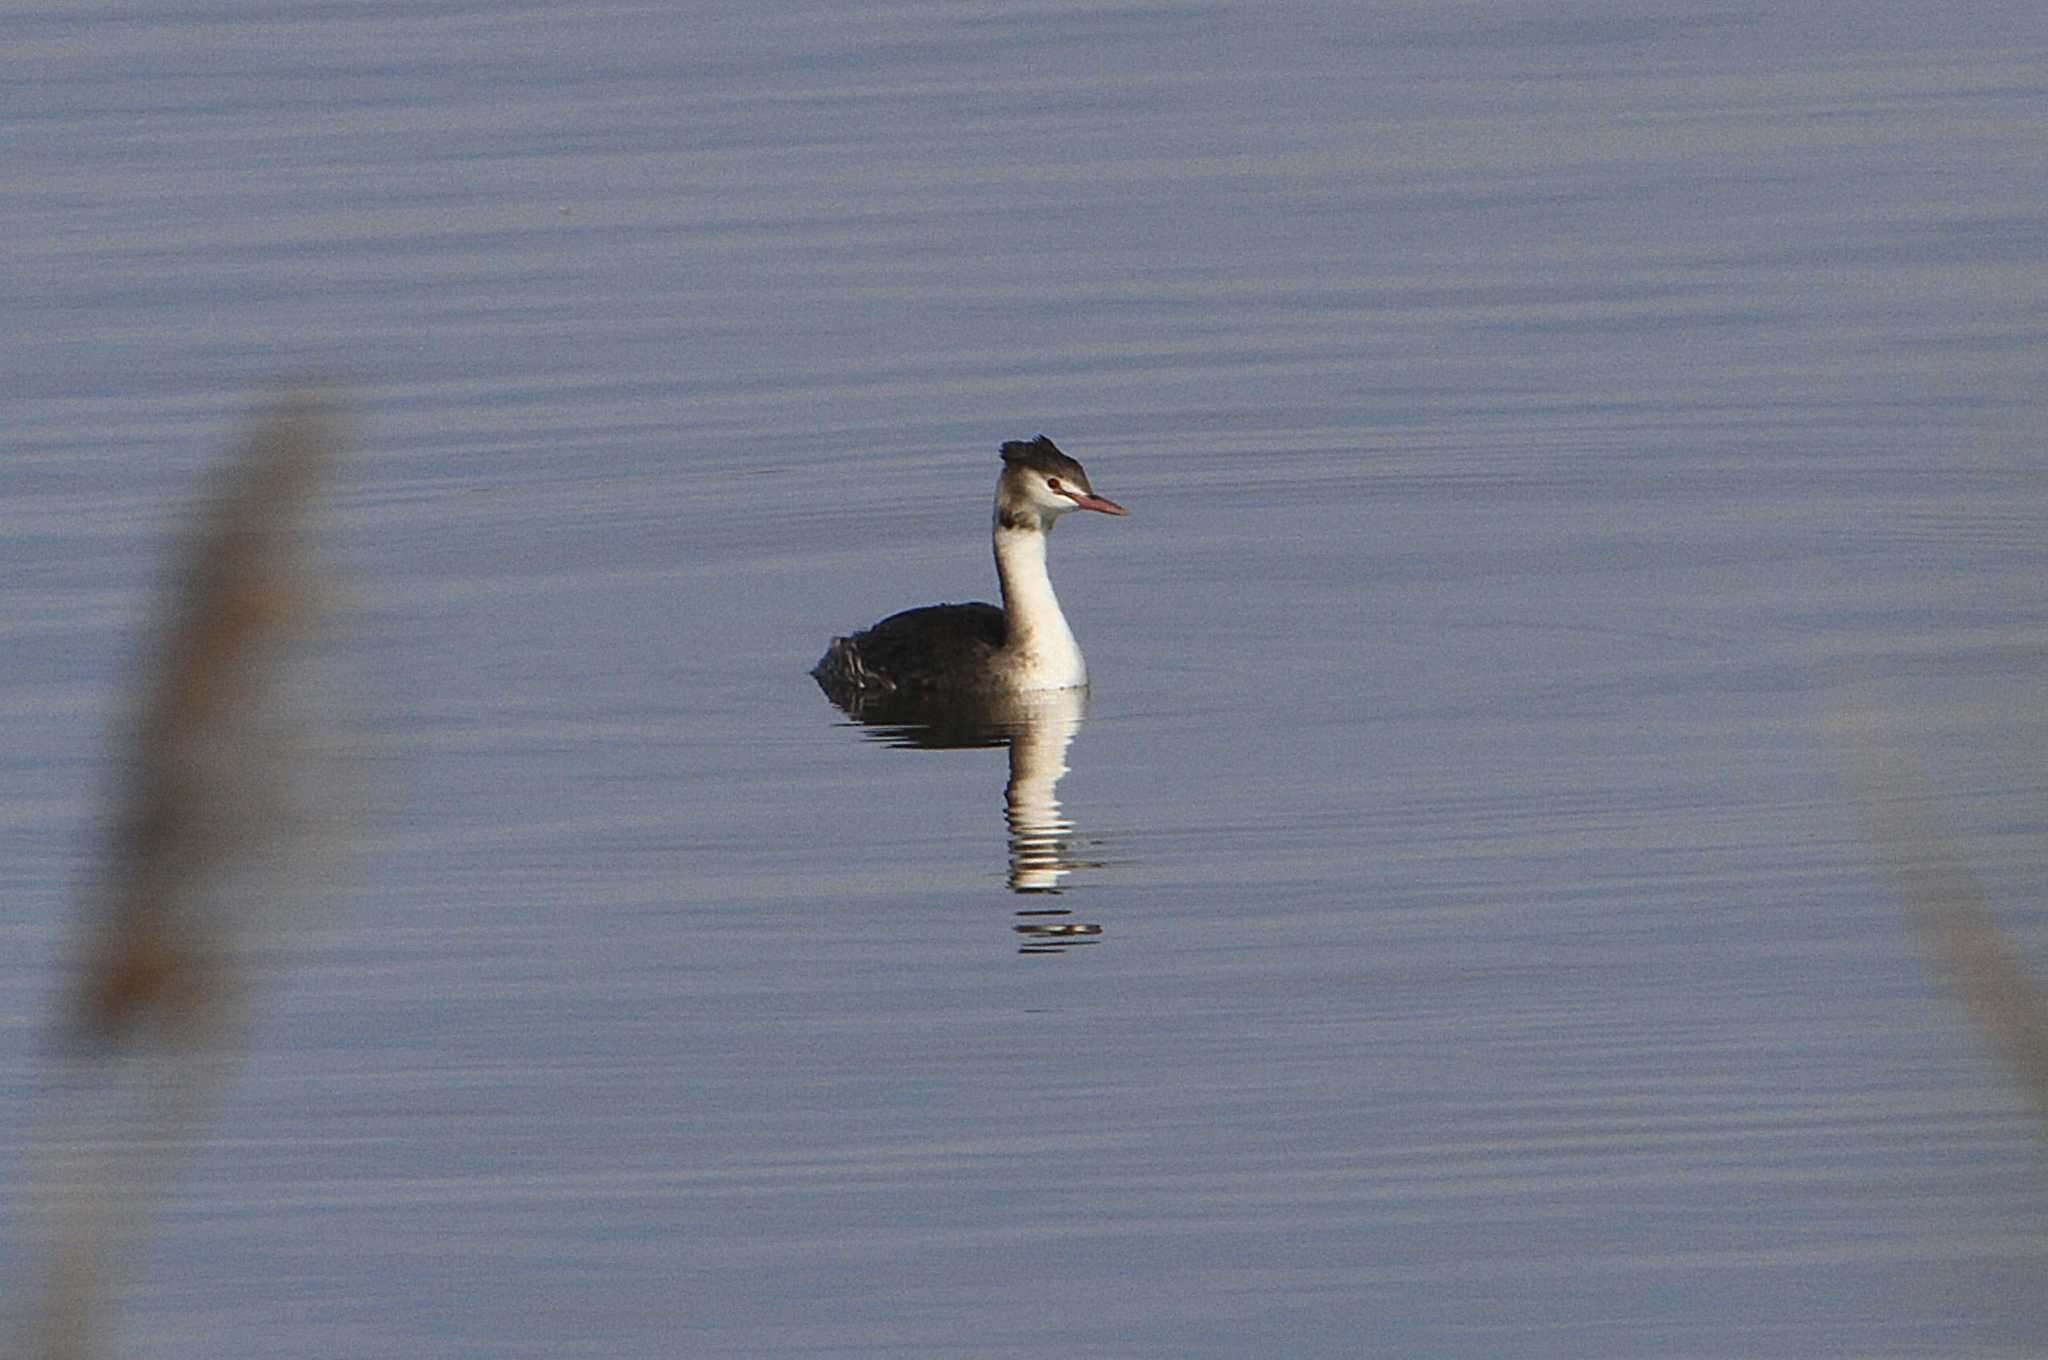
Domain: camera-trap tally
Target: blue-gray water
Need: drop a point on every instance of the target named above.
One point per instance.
(1541, 423)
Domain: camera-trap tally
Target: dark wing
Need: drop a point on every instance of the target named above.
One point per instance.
(941, 646)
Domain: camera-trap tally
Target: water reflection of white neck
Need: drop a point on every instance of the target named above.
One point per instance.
(1044, 726)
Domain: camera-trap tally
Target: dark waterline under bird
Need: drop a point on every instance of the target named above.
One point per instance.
(962, 650)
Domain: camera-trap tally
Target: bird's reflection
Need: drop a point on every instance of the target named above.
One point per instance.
(1037, 728)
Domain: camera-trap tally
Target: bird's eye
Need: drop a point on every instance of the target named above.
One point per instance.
(1053, 482)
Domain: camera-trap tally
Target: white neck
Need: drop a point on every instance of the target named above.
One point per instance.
(1039, 650)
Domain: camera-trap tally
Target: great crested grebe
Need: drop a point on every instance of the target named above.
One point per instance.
(959, 650)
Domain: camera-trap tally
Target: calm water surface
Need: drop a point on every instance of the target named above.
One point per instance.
(1540, 423)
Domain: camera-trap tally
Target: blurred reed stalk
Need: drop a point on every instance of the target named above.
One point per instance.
(222, 825)
(1954, 918)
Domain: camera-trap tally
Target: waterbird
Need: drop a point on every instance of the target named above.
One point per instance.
(946, 651)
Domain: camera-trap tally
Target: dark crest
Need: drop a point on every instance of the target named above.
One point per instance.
(1042, 455)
